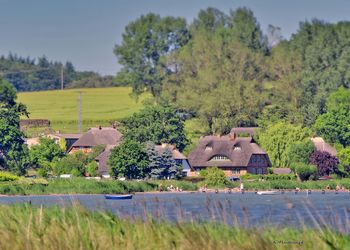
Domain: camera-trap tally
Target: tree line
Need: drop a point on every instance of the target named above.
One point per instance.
(28, 74)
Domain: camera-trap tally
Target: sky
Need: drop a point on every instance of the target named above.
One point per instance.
(86, 31)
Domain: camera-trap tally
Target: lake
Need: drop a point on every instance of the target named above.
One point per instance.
(247, 210)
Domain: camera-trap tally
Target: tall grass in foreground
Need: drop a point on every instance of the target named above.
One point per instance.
(27, 227)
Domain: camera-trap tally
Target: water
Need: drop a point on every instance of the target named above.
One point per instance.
(247, 210)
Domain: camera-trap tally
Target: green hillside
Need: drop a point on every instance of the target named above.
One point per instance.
(100, 106)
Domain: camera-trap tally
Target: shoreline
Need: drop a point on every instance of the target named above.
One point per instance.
(210, 191)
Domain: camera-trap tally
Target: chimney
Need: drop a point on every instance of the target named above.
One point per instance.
(232, 136)
(99, 127)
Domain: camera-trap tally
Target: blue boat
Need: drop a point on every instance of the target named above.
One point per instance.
(118, 196)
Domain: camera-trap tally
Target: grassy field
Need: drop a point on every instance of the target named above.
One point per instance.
(30, 227)
(100, 106)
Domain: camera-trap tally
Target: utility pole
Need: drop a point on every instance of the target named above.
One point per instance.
(62, 78)
(80, 100)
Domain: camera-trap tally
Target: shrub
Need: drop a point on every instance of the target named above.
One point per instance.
(91, 168)
(214, 176)
(5, 176)
(305, 171)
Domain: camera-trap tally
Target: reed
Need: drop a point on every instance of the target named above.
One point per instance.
(28, 227)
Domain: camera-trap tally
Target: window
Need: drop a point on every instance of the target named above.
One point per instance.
(236, 171)
(236, 148)
(208, 147)
(219, 158)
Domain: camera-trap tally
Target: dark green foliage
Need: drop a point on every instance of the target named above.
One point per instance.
(145, 42)
(13, 153)
(301, 151)
(130, 160)
(334, 125)
(27, 74)
(157, 124)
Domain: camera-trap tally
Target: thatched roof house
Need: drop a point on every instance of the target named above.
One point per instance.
(234, 155)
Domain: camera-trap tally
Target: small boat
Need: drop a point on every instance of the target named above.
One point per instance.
(268, 192)
(118, 196)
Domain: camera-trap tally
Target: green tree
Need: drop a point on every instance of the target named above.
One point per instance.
(146, 41)
(157, 124)
(129, 159)
(305, 171)
(300, 152)
(13, 152)
(344, 159)
(278, 139)
(46, 154)
(334, 125)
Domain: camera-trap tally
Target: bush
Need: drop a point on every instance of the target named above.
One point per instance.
(92, 168)
(214, 176)
(73, 163)
(5, 176)
(305, 171)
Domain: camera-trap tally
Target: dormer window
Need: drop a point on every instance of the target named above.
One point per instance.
(237, 148)
(208, 147)
(219, 158)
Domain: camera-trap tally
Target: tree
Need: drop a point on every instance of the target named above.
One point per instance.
(161, 164)
(334, 125)
(129, 159)
(13, 152)
(46, 154)
(247, 30)
(277, 140)
(157, 124)
(325, 162)
(145, 42)
(344, 159)
(300, 152)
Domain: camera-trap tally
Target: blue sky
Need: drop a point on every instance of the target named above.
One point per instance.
(85, 31)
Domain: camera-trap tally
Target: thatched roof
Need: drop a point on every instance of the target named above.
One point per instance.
(321, 145)
(249, 130)
(282, 170)
(237, 151)
(177, 155)
(99, 136)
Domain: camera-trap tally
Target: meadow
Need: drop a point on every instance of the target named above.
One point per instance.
(100, 106)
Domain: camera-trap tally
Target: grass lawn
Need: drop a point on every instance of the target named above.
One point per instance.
(100, 106)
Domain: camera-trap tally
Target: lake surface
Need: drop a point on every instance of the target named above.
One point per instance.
(249, 209)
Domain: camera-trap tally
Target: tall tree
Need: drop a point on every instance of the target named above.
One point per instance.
(278, 139)
(145, 43)
(13, 153)
(157, 124)
(334, 124)
(130, 160)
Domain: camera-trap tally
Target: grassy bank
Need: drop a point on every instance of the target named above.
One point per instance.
(27, 227)
(83, 186)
